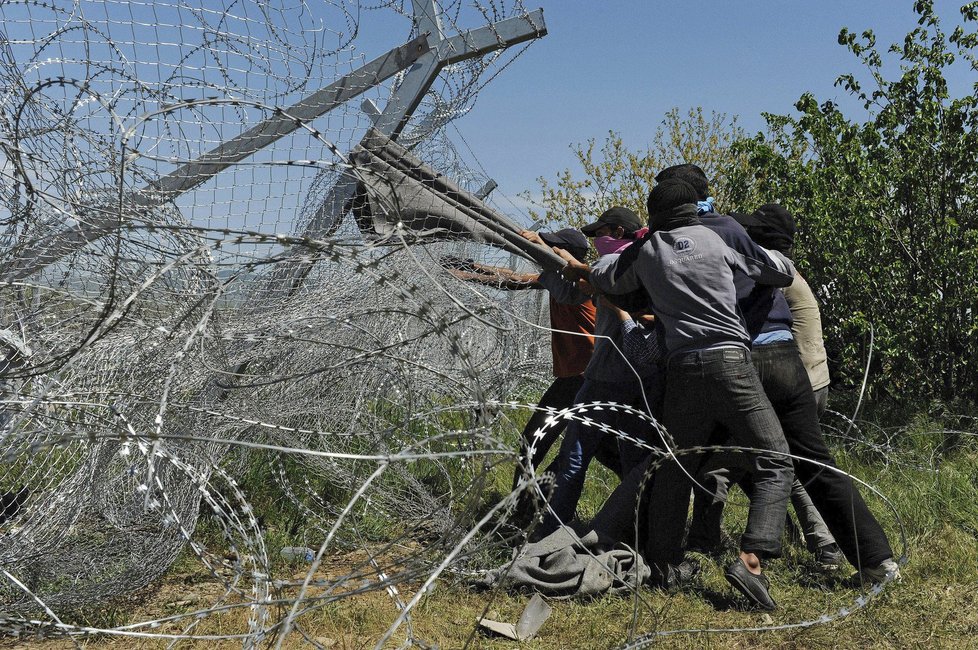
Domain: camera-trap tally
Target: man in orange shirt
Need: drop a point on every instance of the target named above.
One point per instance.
(572, 321)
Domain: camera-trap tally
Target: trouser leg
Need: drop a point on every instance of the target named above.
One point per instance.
(812, 525)
(846, 514)
(753, 423)
(581, 440)
(559, 396)
(666, 497)
(709, 499)
(821, 400)
(646, 398)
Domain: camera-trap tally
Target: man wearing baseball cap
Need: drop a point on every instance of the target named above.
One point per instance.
(609, 377)
(615, 222)
(572, 322)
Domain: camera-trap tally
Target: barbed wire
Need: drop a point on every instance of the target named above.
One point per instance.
(201, 376)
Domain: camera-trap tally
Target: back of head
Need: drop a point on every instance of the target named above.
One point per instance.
(667, 195)
(771, 226)
(570, 239)
(692, 174)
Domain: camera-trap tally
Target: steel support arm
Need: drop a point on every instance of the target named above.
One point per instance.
(101, 220)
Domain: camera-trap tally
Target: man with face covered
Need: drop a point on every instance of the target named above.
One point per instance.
(786, 382)
(687, 271)
(609, 378)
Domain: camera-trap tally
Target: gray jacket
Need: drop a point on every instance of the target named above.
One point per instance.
(688, 273)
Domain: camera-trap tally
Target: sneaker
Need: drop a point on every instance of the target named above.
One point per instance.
(829, 557)
(884, 572)
(756, 588)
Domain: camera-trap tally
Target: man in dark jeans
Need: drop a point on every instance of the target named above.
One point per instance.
(688, 272)
(787, 386)
(609, 378)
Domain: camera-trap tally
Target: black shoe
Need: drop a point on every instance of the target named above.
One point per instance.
(829, 557)
(754, 587)
(673, 577)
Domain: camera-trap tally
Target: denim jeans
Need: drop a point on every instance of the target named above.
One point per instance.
(706, 389)
(854, 527)
(560, 395)
(723, 469)
(716, 475)
(581, 441)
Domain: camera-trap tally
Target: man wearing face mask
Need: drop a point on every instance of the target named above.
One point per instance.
(614, 230)
(688, 272)
(609, 377)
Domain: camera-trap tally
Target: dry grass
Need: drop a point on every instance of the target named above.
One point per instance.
(934, 606)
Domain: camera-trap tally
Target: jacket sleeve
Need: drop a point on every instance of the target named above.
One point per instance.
(769, 268)
(641, 344)
(607, 277)
(563, 291)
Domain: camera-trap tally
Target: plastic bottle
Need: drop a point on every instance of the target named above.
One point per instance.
(303, 553)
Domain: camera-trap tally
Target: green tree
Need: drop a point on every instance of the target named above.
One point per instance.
(888, 234)
(615, 175)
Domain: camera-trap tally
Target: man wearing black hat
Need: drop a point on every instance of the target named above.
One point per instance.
(615, 222)
(769, 323)
(572, 321)
(688, 272)
(790, 388)
(609, 378)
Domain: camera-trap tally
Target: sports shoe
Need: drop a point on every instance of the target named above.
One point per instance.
(883, 572)
(754, 587)
(829, 557)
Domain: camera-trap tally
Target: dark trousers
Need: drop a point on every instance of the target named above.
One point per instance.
(559, 396)
(854, 527)
(584, 440)
(706, 389)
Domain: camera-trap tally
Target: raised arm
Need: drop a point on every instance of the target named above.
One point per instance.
(611, 275)
(492, 276)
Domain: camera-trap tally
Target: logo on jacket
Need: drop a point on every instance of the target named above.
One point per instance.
(683, 246)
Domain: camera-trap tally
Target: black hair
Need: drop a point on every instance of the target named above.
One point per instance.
(668, 194)
(692, 174)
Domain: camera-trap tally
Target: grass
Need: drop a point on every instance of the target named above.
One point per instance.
(931, 487)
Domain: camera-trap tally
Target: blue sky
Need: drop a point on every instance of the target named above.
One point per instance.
(620, 65)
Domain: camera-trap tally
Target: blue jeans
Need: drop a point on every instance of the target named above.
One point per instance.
(581, 441)
(706, 389)
(559, 395)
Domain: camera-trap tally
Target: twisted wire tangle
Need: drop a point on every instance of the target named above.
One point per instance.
(179, 367)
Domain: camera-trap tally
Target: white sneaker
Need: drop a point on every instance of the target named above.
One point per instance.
(884, 572)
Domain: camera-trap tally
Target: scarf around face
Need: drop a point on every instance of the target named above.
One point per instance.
(677, 217)
(606, 245)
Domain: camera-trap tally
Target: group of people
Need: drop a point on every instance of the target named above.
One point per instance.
(700, 320)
